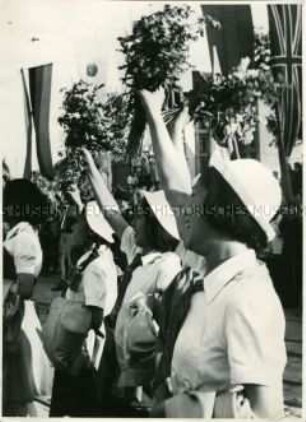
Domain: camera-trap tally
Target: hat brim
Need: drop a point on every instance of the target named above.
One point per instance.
(162, 211)
(98, 224)
(222, 167)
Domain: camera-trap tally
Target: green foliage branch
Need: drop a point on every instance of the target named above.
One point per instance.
(94, 119)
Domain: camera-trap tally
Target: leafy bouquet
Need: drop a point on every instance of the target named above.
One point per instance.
(157, 54)
(93, 119)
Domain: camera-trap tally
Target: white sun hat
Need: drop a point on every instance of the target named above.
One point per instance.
(161, 209)
(256, 187)
(97, 222)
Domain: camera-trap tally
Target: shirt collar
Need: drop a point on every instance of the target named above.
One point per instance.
(224, 273)
(150, 257)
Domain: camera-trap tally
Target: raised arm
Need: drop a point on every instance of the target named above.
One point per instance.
(171, 162)
(104, 197)
(177, 130)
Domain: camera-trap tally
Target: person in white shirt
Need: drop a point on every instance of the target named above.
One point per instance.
(232, 334)
(94, 284)
(151, 242)
(27, 371)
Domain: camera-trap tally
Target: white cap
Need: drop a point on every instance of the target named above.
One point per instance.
(97, 221)
(256, 187)
(161, 209)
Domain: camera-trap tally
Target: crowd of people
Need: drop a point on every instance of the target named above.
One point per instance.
(170, 315)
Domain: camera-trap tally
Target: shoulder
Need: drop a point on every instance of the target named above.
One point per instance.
(22, 240)
(168, 266)
(24, 246)
(100, 283)
(100, 270)
(252, 281)
(253, 297)
(102, 263)
(169, 258)
(94, 280)
(96, 268)
(27, 239)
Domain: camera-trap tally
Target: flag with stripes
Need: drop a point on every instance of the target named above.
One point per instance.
(37, 94)
(29, 126)
(285, 27)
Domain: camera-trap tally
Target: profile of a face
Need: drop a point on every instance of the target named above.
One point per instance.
(196, 237)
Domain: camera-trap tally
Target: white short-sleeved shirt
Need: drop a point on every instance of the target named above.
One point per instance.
(155, 274)
(22, 242)
(98, 286)
(234, 331)
(157, 269)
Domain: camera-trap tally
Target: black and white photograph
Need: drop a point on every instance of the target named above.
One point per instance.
(152, 209)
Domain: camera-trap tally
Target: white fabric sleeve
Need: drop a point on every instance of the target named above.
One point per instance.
(94, 286)
(128, 245)
(169, 267)
(26, 253)
(255, 342)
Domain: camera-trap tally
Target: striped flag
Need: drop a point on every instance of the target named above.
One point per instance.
(29, 126)
(40, 92)
(37, 95)
(285, 24)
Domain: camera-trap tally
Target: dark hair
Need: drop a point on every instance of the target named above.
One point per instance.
(98, 239)
(158, 238)
(224, 210)
(24, 201)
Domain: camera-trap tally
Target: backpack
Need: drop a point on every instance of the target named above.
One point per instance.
(66, 328)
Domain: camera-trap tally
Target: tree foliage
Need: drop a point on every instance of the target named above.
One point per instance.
(229, 102)
(157, 51)
(94, 119)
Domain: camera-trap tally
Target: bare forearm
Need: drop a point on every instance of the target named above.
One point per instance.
(265, 402)
(172, 165)
(103, 195)
(178, 140)
(105, 199)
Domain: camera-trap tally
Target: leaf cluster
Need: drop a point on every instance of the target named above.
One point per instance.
(157, 51)
(94, 119)
(234, 97)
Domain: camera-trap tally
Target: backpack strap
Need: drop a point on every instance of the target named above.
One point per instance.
(175, 306)
(77, 271)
